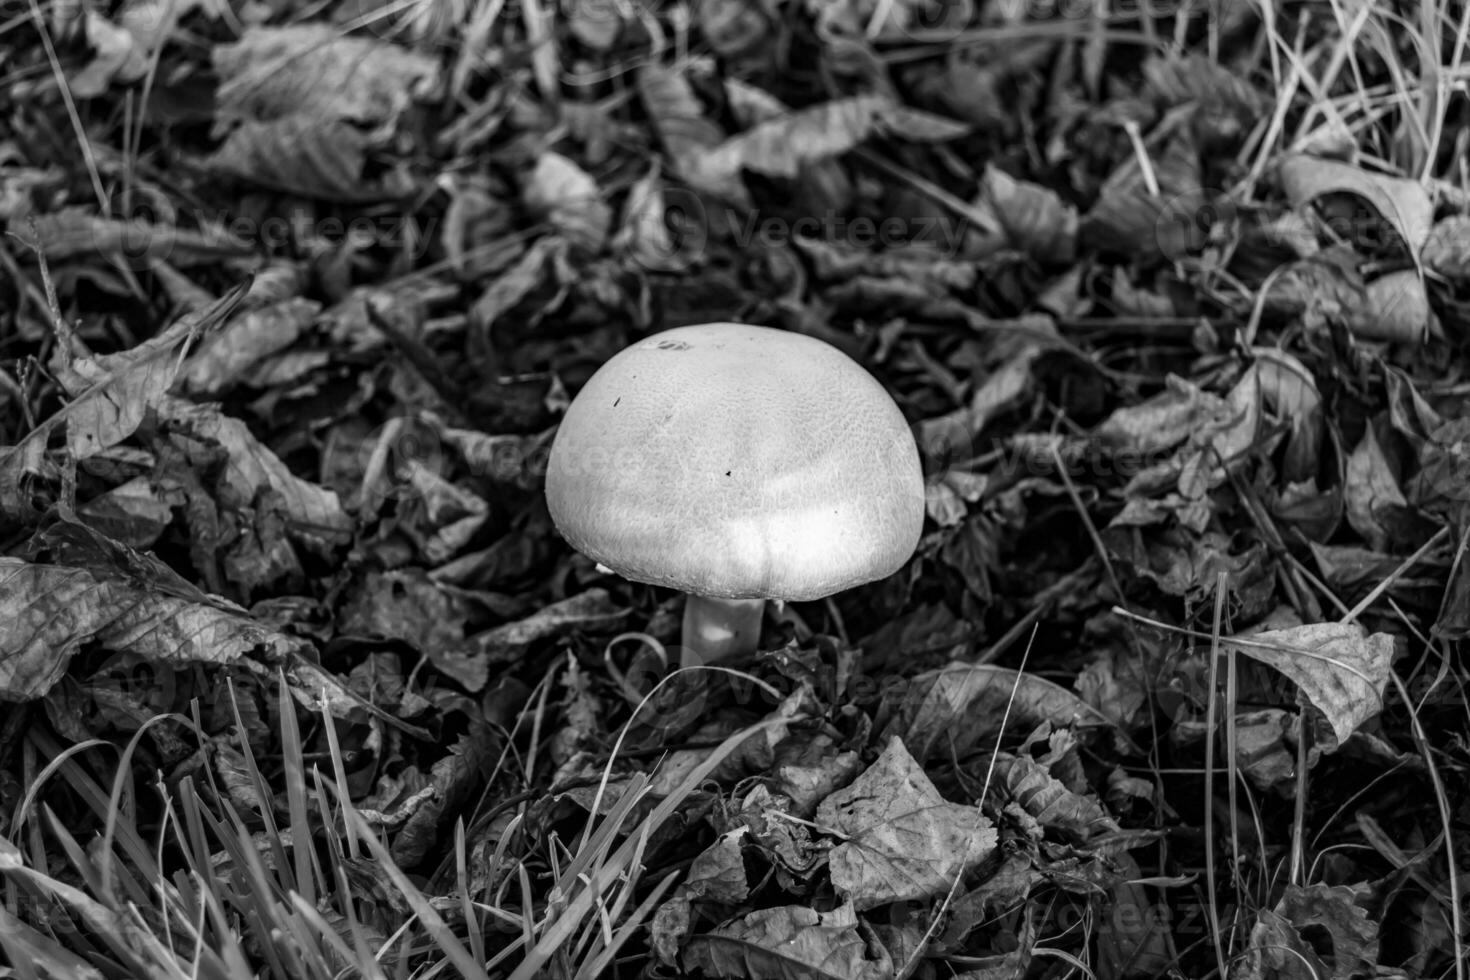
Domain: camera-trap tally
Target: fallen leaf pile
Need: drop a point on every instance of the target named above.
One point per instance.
(293, 296)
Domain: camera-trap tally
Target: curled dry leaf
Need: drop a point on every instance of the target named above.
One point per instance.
(1261, 750)
(324, 159)
(74, 232)
(1278, 947)
(111, 394)
(134, 513)
(567, 198)
(1409, 413)
(1338, 911)
(961, 708)
(1049, 802)
(518, 282)
(317, 71)
(1447, 249)
(456, 779)
(293, 101)
(116, 55)
(1137, 940)
(1341, 668)
(716, 875)
(688, 135)
(1396, 309)
(1035, 219)
(1130, 217)
(1163, 421)
(442, 516)
(1374, 503)
(223, 359)
(661, 232)
(781, 146)
(1404, 203)
(48, 611)
(590, 610)
(404, 604)
(1290, 391)
(1176, 79)
(122, 49)
(402, 301)
(313, 514)
(1442, 485)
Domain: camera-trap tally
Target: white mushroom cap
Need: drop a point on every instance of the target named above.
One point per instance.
(737, 462)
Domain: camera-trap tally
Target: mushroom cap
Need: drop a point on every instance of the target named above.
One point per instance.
(737, 462)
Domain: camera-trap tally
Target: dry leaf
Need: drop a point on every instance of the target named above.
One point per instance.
(72, 232)
(313, 514)
(456, 779)
(790, 942)
(566, 197)
(664, 228)
(1340, 667)
(1049, 802)
(224, 358)
(316, 71)
(685, 131)
(1179, 78)
(1447, 249)
(902, 840)
(1035, 219)
(1371, 493)
(48, 611)
(590, 610)
(1402, 202)
(315, 158)
(112, 392)
(518, 282)
(295, 99)
(959, 708)
(1290, 391)
(134, 513)
(1163, 421)
(1396, 309)
(1261, 750)
(781, 146)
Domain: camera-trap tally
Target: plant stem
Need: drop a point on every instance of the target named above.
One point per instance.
(719, 629)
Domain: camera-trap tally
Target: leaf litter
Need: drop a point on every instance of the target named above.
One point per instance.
(282, 356)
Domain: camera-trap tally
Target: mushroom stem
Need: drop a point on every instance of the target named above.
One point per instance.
(715, 629)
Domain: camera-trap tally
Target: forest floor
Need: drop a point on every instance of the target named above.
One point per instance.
(300, 681)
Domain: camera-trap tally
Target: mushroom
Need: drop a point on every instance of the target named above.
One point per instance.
(736, 464)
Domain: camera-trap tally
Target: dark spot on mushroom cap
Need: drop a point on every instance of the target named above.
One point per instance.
(672, 345)
(617, 401)
(727, 472)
